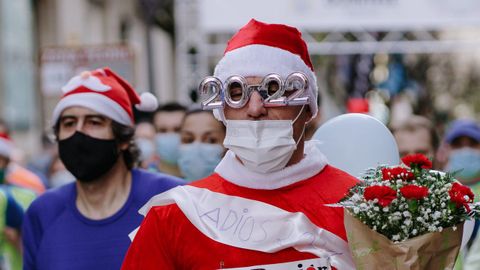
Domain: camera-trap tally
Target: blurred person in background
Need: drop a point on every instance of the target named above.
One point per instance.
(41, 162)
(13, 201)
(416, 135)
(58, 175)
(145, 140)
(265, 205)
(84, 225)
(462, 151)
(17, 175)
(463, 141)
(201, 147)
(167, 120)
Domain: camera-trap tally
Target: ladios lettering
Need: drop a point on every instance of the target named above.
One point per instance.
(254, 225)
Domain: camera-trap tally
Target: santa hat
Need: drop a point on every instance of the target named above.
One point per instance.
(105, 92)
(6, 145)
(259, 49)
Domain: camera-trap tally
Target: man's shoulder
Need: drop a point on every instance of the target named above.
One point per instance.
(337, 175)
(52, 201)
(154, 183)
(331, 182)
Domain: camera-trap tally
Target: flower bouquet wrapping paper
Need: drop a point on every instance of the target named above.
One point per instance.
(407, 217)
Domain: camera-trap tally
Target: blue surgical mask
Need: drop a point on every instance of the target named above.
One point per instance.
(467, 162)
(198, 160)
(167, 147)
(147, 148)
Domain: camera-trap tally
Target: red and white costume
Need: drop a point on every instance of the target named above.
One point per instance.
(238, 219)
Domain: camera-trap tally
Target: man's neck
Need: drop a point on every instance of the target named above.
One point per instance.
(104, 197)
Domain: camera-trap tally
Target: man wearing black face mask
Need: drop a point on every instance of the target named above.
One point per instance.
(84, 225)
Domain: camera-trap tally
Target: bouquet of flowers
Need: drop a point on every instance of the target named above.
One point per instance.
(407, 217)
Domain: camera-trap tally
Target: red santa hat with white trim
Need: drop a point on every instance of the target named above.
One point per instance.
(6, 145)
(259, 49)
(105, 92)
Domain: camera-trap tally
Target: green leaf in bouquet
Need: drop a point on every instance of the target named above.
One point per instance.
(412, 205)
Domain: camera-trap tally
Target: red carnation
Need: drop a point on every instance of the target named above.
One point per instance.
(397, 173)
(417, 160)
(384, 194)
(414, 192)
(461, 195)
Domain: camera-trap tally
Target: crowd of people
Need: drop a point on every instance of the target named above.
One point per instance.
(218, 190)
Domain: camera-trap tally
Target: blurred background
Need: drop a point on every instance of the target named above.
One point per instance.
(388, 58)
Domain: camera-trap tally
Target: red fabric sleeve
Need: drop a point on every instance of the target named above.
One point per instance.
(148, 249)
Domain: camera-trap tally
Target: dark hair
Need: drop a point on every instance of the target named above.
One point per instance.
(195, 110)
(171, 107)
(121, 134)
(124, 134)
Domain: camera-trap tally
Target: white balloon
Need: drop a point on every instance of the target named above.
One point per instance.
(468, 227)
(355, 142)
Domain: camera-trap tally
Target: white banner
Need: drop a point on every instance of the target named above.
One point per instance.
(340, 15)
(254, 225)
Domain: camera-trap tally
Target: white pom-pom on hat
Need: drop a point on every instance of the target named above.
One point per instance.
(148, 102)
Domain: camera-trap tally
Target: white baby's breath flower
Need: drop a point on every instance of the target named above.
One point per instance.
(356, 197)
(437, 215)
(395, 237)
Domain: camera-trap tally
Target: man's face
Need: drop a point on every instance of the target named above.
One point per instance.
(86, 121)
(254, 110)
(412, 141)
(166, 122)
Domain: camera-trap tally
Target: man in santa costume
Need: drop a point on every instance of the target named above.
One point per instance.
(83, 225)
(265, 207)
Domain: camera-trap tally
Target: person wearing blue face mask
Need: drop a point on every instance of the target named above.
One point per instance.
(145, 140)
(167, 120)
(201, 146)
(463, 146)
(463, 139)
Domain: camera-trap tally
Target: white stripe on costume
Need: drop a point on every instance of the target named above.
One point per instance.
(254, 225)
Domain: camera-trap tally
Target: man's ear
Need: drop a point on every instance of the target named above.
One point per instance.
(124, 146)
(308, 115)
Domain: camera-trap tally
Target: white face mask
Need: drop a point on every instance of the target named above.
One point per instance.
(263, 146)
